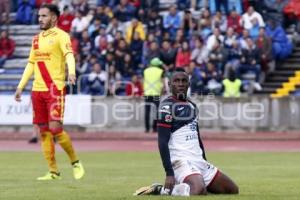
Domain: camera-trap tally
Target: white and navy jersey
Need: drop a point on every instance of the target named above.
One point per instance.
(178, 131)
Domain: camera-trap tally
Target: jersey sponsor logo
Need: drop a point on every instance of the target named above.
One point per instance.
(168, 118)
(42, 55)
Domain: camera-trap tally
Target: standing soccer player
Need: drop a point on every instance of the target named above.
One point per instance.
(181, 149)
(50, 51)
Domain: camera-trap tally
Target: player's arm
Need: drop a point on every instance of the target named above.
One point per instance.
(26, 76)
(164, 134)
(66, 48)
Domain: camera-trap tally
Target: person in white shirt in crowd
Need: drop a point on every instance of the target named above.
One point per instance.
(213, 39)
(246, 20)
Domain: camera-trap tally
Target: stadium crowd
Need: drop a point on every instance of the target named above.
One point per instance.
(215, 41)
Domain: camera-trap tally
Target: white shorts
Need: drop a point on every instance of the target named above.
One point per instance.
(184, 168)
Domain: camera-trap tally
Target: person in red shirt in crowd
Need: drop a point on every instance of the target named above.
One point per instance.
(183, 55)
(7, 48)
(65, 20)
(134, 88)
(75, 44)
(233, 21)
(38, 3)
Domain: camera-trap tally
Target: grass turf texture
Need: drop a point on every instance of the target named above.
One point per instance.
(118, 175)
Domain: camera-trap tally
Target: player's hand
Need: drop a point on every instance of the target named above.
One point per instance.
(169, 182)
(18, 95)
(72, 79)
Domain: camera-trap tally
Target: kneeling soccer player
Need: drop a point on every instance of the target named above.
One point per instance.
(181, 149)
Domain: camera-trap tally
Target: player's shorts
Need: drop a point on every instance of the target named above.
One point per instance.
(48, 106)
(185, 168)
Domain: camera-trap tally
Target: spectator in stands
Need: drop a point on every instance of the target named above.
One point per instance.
(254, 31)
(219, 21)
(264, 43)
(135, 26)
(250, 60)
(247, 18)
(233, 21)
(114, 27)
(7, 48)
(79, 24)
(172, 21)
(124, 11)
(24, 12)
(85, 45)
(212, 78)
(230, 38)
(224, 4)
(242, 40)
(101, 15)
(183, 55)
(126, 67)
(205, 29)
(114, 76)
(200, 53)
(82, 6)
(233, 58)
(167, 55)
(179, 38)
(120, 53)
(214, 38)
(102, 40)
(196, 74)
(94, 29)
(232, 85)
(282, 47)
(218, 56)
(155, 22)
(136, 49)
(75, 44)
(95, 82)
(65, 20)
(134, 88)
(187, 23)
(152, 52)
(4, 10)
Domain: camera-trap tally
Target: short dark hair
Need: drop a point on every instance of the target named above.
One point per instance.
(53, 8)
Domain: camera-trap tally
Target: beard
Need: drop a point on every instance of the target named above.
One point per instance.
(45, 26)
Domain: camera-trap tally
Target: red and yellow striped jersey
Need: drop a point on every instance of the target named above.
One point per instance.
(48, 58)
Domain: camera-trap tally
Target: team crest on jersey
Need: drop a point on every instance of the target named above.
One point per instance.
(168, 118)
(165, 109)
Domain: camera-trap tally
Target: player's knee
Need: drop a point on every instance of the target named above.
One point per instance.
(198, 190)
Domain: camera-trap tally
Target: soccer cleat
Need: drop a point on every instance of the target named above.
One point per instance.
(78, 170)
(153, 189)
(50, 176)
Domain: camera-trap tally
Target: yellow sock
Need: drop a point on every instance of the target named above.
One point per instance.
(65, 142)
(49, 150)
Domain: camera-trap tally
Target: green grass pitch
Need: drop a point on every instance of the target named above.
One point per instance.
(117, 175)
